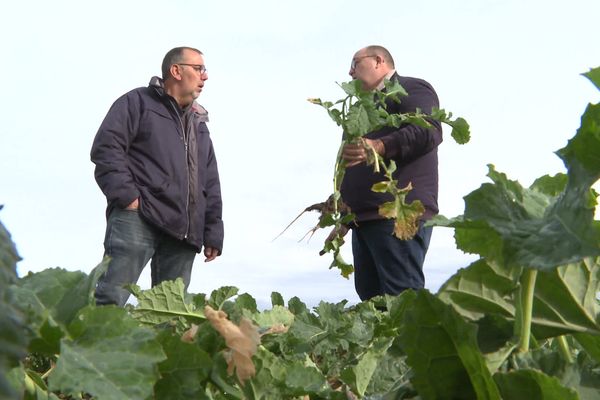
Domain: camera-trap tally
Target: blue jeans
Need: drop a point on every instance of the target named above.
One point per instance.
(131, 242)
(384, 264)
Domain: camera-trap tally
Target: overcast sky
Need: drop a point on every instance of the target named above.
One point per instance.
(511, 68)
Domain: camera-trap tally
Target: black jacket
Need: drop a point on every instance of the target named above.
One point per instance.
(147, 147)
(413, 148)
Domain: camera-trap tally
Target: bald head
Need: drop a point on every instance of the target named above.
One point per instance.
(383, 53)
(370, 65)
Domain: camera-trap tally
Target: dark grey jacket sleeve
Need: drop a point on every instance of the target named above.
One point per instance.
(410, 142)
(213, 223)
(109, 151)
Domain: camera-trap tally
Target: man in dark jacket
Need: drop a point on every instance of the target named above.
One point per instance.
(383, 263)
(156, 166)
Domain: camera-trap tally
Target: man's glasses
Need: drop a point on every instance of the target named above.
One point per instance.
(201, 69)
(355, 61)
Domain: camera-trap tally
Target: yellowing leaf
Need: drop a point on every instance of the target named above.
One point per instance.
(242, 341)
(406, 217)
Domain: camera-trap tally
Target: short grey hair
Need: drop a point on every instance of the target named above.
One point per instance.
(174, 56)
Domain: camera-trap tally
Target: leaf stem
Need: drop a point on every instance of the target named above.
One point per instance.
(527, 291)
(564, 349)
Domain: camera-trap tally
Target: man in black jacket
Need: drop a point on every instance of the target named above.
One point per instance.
(156, 166)
(383, 263)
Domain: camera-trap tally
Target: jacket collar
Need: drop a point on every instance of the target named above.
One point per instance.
(158, 85)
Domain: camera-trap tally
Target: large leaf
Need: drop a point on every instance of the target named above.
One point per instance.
(184, 372)
(532, 385)
(579, 375)
(442, 350)
(564, 299)
(13, 332)
(48, 314)
(164, 302)
(108, 355)
(527, 227)
(63, 293)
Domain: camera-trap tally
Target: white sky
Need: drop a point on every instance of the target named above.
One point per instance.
(511, 68)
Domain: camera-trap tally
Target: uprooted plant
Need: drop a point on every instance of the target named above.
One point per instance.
(360, 112)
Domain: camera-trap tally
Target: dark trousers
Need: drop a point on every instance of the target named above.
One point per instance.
(384, 264)
(131, 243)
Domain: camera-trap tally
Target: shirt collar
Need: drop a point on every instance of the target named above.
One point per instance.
(387, 76)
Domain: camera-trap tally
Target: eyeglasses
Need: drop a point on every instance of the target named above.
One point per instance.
(355, 61)
(201, 69)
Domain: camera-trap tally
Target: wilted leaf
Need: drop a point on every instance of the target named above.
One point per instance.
(242, 340)
(405, 216)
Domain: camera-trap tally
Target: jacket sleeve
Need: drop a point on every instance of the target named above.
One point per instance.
(109, 151)
(410, 141)
(213, 222)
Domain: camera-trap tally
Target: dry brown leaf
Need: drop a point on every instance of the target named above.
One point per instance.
(242, 341)
(189, 335)
(275, 329)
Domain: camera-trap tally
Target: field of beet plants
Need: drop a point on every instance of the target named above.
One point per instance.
(522, 322)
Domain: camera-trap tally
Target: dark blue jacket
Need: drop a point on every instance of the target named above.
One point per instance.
(413, 148)
(149, 148)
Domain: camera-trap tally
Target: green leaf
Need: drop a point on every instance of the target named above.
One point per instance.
(393, 90)
(163, 303)
(63, 292)
(359, 376)
(185, 371)
(442, 350)
(481, 288)
(220, 296)
(532, 385)
(14, 334)
(551, 185)
(525, 227)
(564, 300)
(591, 344)
(301, 379)
(30, 384)
(353, 88)
(362, 118)
(594, 76)
(109, 355)
(246, 302)
(460, 130)
(346, 269)
(277, 299)
(277, 315)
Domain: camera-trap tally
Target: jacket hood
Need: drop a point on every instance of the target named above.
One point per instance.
(158, 85)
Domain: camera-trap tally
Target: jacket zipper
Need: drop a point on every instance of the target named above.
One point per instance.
(187, 168)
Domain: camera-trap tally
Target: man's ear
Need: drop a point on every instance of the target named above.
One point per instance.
(175, 71)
